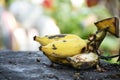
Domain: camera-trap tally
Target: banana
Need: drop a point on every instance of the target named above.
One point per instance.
(58, 51)
(65, 48)
(51, 38)
(84, 60)
(57, 60)
(48, 41)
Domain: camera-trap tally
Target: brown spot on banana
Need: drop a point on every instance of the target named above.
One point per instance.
(54, 54)
(64, 41)
(60, 36)
(54, 47)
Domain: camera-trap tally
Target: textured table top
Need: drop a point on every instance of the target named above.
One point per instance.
(35, 66)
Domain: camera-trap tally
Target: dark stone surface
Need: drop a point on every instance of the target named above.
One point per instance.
(35, 66)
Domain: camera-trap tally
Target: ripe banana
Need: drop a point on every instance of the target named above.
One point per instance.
(57, 60)
(65, 48)
(51, 38)
(84, 60)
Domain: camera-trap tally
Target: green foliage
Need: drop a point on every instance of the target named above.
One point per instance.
(71, 20)
(8, 2)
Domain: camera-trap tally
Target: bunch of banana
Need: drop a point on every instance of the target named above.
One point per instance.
(58, 47)
(64, 48)
(72, 50)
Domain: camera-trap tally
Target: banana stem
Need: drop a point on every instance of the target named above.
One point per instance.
(96, 39)
(100, 35)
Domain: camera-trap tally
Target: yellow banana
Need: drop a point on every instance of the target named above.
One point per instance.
(74, 46)
(65, 48)
(57, 60)
(51, 38)
(84, 60)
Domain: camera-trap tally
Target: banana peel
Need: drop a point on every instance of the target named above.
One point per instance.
(84, 60)
(111, 23)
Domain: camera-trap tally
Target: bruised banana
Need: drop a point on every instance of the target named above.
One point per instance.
(57, 60)
(51, 38)
(64, 48)
(84, 60)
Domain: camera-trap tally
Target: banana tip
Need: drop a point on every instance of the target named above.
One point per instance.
(40, 48)
(34, 38)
